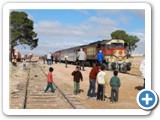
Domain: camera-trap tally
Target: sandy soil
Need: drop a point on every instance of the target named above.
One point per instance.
(130, 85)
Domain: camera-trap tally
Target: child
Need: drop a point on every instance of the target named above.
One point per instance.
(115, 84)
(77, 77)
(102, 82)
(50, 80)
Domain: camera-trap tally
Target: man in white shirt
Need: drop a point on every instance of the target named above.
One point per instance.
(81, 58)
(66, 59)
(49, 58)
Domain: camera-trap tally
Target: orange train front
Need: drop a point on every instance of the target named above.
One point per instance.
(116, 57)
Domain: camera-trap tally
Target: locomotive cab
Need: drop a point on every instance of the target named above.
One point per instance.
(116, 56)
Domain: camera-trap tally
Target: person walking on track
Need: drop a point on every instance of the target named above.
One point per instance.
(81, 58)
(50, 81)
(77, 76)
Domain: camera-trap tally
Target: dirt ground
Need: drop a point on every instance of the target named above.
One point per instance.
(130, 85)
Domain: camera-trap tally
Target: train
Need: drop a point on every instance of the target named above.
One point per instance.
(115, 54)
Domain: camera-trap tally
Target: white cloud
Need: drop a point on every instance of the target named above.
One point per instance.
(140, 35)
(103, 21)
(124, 20)
(48, 24)
(141, 44)
(93, 27)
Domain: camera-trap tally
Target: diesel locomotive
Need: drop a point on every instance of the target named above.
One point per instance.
(115, 54)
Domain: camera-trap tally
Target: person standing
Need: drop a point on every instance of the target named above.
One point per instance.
(100, 57)
(66, 59)
(102, 81)
(50, 81)
(49, 58)
(142, 69)
(44, 59)
(92, 81)
(115, 84)
(14, 61)
(30, 56)
(77, 76)
(81, 58)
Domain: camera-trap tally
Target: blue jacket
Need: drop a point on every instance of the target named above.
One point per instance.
(100, 57)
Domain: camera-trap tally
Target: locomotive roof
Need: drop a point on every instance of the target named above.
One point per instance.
(93, 43)
(107, 41)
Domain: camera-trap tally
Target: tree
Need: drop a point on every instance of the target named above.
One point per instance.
(119, 34)
(129, 39)
(21, 30)
(131, 42)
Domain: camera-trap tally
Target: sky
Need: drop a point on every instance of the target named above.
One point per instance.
(63, 28)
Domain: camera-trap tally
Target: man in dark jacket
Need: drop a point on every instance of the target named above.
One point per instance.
(77, 77)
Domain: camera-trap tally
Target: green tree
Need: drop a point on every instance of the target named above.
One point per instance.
(119, 34)
(21, 30)
(131, 42)
(129, 39)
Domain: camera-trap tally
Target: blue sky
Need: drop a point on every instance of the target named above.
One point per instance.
(59, 29)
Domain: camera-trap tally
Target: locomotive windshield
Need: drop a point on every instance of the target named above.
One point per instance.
(114, 45)
(119, 45)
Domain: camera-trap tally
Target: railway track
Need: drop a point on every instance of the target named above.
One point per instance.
(36, 98)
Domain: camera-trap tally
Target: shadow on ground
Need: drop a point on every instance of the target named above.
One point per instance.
(139, 87)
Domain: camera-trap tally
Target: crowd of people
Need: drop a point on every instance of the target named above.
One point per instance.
(97, 76)
(48, 58)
